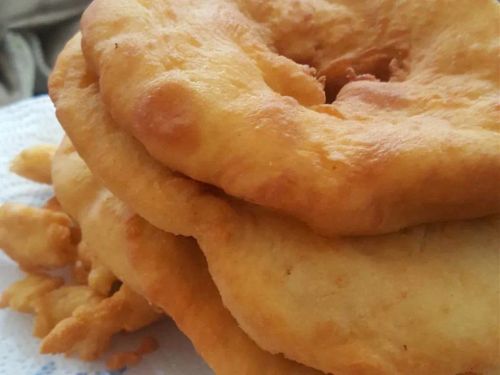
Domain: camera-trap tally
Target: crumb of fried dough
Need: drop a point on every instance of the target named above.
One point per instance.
(132, 358)
(34, 163)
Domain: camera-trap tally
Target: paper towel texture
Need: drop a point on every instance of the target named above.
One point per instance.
(29, 123)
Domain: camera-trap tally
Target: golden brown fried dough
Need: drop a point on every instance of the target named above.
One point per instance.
(64, 313)
(81, 268)
(89, 268)
(169, 271)
(75, 318)
(101, 279)
(217, 90)
(89, 330)
(53, 303)
(36, 237)
(341, 305)
(54, 306)
(22, 294)
(376, 305)
(34, 163)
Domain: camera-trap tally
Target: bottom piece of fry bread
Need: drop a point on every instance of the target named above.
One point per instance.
(169, 271)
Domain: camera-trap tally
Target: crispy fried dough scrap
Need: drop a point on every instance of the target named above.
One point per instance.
(89, 270)
(52, 307)
(225, 100)
(45, 238)
(65, 314)
(301, 297)
(47, 298)
(22, 294)
(123, 359)
(89, 330)
(169, 271)
(36, 237)
(101, 279)
(34, 163)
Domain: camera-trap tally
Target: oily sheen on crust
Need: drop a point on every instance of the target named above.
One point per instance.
(214, 89)
(169, 271)
(393, 307)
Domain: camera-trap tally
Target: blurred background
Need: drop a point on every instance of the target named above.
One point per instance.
(32, 32)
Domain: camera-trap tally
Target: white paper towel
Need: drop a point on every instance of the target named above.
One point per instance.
(28, 123)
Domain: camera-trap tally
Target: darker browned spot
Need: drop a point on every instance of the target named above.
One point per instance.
(134, 227)
(75, 234)
(115, 287)
(274, 189)
(340, 281)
